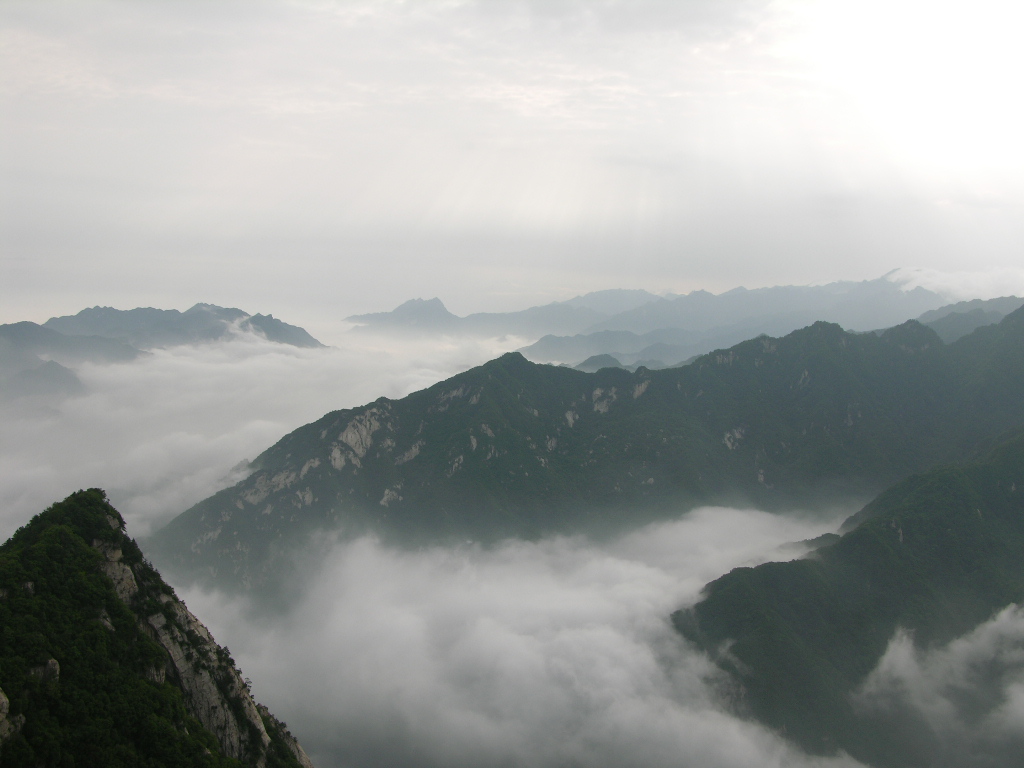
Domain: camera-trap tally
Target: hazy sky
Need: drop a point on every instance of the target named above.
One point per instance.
(316, 159)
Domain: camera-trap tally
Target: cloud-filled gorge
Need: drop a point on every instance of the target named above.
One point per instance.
(551, 653)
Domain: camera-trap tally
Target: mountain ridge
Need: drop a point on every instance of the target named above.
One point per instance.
(149, 328)
(513, 448)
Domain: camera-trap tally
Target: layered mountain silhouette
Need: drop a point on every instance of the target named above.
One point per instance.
(731, 316)
(512, 448)
(432, 317)
(674, 345)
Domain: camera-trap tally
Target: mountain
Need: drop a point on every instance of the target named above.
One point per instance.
(148, 328)
(673, 344)
(32, 343)
(597, 362)
(780, 309)
(102, 665)
(675, 329)
(697, 322)
(48, 381)
(935, 555)
(956, 320)
(572, 316)
(37, 363)
(512, 448)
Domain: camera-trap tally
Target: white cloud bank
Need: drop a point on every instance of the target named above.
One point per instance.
(968, 695)
(550, 653)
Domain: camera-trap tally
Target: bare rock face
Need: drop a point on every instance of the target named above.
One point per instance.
(119, 573)
(214, 690)
(215, 693)
(48, 672)
(11, 725)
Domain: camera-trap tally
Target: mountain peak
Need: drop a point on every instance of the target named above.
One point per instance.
(79, 602)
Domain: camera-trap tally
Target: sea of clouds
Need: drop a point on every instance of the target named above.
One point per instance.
(551, 653)
(558, 652)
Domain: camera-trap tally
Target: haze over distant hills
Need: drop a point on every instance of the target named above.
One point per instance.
(670, 346)
(572, 316)
(854, 305)
(640, 328)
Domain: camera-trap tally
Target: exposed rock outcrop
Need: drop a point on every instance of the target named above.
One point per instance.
(101, 664)
(10, 725)
(214, 690)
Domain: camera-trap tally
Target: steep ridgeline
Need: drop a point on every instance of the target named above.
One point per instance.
(101, 665)
(513, 448)
(936, 555)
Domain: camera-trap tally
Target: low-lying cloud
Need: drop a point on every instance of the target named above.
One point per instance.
(166, 431)
(551, 653)
(966, 697)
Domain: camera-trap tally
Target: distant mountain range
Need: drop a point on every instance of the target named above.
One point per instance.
(639, 328)
(778, 310)
(102, 665)
(512, 448)
(148, 328)
(432, 317)
(38, 361)
(672, 346)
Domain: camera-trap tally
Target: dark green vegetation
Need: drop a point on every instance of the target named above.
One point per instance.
(513, 448)
(936, 554)
(88, 680)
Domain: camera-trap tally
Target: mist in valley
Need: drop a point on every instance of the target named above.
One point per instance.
(557, 652)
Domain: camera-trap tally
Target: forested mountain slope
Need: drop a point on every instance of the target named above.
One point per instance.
(935, 555)
(101, 665)
(513, 448)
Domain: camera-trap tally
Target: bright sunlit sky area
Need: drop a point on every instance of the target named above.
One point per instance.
(319, 159)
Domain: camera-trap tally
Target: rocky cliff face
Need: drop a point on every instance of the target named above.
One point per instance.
(132, 607)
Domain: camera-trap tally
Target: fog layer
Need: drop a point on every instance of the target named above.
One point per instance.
(551, 653)
(967, 696)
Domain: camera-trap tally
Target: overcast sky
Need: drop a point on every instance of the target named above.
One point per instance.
(317, 159)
